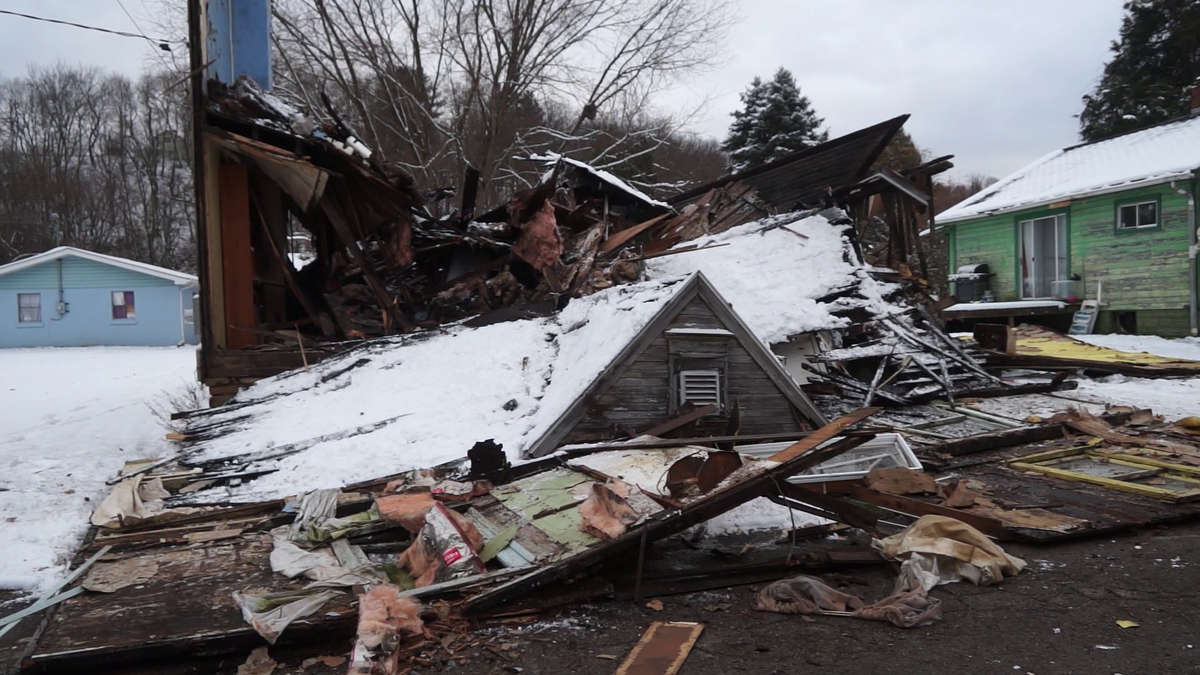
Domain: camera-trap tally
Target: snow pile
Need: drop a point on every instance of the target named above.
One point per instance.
(1166, 151)
(507, 381)
(758, 515)
(69, 419)
(1173, 399)
(1181, 348)
(773, 278)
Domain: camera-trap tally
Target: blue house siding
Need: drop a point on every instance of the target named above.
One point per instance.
(87, 288)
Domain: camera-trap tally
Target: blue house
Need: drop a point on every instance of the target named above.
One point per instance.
(69, 297)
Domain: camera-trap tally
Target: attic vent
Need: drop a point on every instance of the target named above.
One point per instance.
(701, 387)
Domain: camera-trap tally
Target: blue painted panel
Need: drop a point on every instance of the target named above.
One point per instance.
(88, 320)
(80, 273)
(239, 40)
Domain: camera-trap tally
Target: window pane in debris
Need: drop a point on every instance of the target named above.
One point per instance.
(882, 452)
(701, 387)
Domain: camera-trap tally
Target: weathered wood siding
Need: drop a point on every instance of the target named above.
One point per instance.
(993, 241)
(1142, 270)
(641, 396)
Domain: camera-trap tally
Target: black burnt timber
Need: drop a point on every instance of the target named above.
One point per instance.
(664, 525)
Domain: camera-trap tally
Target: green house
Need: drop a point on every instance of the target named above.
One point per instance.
(1117, 216)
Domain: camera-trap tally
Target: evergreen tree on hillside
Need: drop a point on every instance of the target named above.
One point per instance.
(1155, 63)
(775, 120)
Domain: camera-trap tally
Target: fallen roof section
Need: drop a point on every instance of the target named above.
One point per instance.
(401, 403)
(803, 177)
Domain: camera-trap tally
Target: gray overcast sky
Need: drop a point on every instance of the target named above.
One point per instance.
(994, 83)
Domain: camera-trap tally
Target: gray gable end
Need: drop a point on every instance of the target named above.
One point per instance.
(637, 389)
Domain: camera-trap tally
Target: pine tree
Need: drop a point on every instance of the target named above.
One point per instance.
(775, 120)
(1155, 63)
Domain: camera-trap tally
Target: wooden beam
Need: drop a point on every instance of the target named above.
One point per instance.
(823, 434)
(237, 255)
(915, 507)
(289, 278)
(625, 235)
(680, 420)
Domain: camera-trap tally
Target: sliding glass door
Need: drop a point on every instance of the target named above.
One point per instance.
(1043, 255)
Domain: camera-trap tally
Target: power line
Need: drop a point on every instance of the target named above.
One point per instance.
(161, 44)
(138, 26)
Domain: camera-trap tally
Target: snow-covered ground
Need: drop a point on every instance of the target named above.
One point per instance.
(69, 419)
(1180, 348)
(1172, 398)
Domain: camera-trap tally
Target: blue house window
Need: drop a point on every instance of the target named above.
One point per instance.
(29, 307)
(122, 305)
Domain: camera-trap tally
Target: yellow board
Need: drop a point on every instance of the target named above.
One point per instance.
(1033, 341)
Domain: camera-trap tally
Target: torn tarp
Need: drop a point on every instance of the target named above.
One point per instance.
(270, 613)
(939, 550)
(809, 595)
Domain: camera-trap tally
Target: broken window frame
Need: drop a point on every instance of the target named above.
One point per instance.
(1145, 467)
(893, 445)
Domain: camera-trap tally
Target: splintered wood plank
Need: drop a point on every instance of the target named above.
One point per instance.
(663, 649)
(823, 434)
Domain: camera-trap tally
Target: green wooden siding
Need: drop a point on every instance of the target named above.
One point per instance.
(992, 241)
(1141, 269)
(79, 273)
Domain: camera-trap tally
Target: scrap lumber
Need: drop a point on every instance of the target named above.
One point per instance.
(622, 237)
(823, 434)
(663, 648)
(661, 525)
(917, 508)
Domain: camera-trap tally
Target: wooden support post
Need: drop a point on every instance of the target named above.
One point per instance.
(237, 256)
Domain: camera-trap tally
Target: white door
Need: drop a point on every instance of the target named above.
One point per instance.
(1043, 255)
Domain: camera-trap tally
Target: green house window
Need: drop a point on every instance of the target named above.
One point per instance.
(1137, 216)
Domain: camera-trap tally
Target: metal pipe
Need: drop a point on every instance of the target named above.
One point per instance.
(1193, 312)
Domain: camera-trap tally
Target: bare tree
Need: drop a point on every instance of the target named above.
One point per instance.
(95, 161)
(441, 84)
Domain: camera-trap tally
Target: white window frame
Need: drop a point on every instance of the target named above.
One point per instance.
(21, 307)
(1137, 215)
(707, 378)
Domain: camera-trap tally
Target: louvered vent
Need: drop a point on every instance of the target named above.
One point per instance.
(701, 387)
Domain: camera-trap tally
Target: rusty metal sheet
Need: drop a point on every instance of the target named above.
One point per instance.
(663, 648)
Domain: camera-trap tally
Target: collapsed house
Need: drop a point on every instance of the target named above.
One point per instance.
(384, 256)
(455, 416)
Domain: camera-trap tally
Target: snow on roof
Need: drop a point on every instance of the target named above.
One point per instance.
(774, 270)
(1154, 155)
(604, 176)
(452, 388)
(179, 278)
